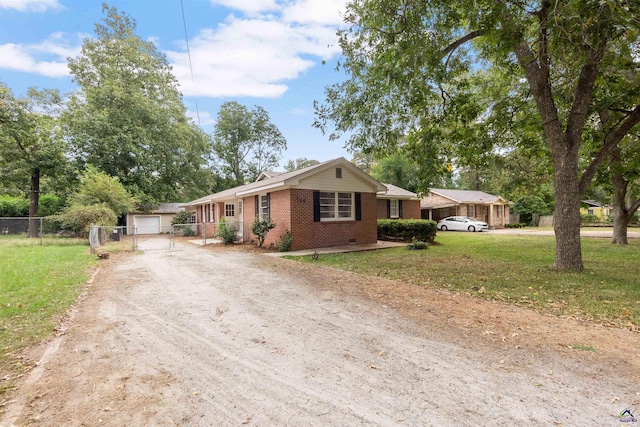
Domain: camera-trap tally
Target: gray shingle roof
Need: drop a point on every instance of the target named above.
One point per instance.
(272, 183)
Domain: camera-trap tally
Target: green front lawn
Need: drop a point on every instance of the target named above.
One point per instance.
(517, 270)
(37, 286)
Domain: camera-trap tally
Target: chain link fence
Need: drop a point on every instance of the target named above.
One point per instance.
(104, 238)
(38, 229)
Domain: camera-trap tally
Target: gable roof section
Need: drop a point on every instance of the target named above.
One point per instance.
(285, 180)
(395, 192)
(458, 197)
(268, 174)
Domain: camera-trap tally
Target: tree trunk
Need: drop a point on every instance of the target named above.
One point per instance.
(621, 215)
(34, 200)
(567, 215)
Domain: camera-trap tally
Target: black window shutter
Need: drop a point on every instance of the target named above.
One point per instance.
(358, 206)
(388, 208)
(316, 206)
(400, 208)
(269, 205)
(257, 203)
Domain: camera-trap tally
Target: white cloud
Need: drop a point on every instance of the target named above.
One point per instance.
(325, 12)
(30, 5)
(255, 56)
(205, 118)
(248, 6)
(48, 58)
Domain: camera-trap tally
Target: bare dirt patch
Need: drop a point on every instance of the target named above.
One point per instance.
(225, 336)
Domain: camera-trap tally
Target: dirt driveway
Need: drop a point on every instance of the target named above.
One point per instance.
(203, 336)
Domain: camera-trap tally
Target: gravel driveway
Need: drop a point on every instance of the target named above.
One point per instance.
(203, 336)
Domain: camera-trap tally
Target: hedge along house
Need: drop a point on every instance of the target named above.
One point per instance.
(398, 203)
(328, 204)
(441, 203)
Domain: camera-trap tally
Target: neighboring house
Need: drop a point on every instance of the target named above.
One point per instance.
(398, 203)
(593, 207)
(328, 204)
(441, 203)
(156, 222)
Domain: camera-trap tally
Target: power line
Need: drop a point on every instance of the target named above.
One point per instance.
(186, 37)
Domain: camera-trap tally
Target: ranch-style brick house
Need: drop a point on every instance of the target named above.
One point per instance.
(441, 203)
(329, 204)
(398, 203)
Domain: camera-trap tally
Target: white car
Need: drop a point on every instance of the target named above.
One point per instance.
(461, 223)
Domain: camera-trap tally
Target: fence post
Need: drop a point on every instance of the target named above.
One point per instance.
(41, 233)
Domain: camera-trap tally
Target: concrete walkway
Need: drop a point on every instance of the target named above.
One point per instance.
(339, 249)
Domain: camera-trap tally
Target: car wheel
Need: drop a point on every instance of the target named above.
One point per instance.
(443, 228)
(472, 228)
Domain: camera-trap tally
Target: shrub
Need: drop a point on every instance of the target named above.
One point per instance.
(260, 228)
(417, 245)
(589, 219)
(284, 243)
(423, 230)
(227, 232)
(79, 218)
(49, 204)
(518, 225)
(11, 206)
(181, 218)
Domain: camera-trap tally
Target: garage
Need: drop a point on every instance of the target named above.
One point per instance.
(147, 224)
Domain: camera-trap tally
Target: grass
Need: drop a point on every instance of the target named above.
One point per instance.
(37, 286)
(13, 240)
(516, 270)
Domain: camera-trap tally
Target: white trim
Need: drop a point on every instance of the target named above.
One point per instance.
(336, 209)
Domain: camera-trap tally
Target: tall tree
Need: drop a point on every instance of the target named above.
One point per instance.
(128, 118)
(299, 163)
(397, 169)
(246, 142)
(30, 142)
(417, 66)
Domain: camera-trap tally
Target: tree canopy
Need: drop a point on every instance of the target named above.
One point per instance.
(246, 142)
(128, 118)
(454, 81)
(31, 142)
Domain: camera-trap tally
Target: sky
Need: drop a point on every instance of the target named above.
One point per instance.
(256, 52)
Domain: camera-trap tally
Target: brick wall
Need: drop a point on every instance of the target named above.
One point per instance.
(279, 202)
(308, 234)
(410, 209)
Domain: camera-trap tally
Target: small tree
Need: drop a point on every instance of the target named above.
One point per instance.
(260, 228)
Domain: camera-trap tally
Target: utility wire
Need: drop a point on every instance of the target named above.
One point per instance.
(186, 37)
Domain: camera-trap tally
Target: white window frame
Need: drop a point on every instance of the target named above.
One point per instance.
(394, 211)
(263, 210)
(335, 212)
(229, 208)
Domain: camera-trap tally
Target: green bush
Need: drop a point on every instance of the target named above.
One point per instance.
(284, 243)
(227, 232)
(181, 218)
(589, 219)
(11, 206)
(417, 245)
(518, 225)
(423, 230)
(260, 228)
(49, 204)
(79, 218)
